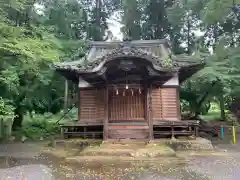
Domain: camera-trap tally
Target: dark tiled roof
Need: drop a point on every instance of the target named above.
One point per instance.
(155, 51)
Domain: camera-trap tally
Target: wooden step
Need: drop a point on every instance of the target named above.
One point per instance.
(127, 127)
(128, 133)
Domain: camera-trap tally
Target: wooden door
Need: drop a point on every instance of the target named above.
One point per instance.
(126, 104)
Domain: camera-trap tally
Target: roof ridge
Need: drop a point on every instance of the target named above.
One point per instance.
(138, 43)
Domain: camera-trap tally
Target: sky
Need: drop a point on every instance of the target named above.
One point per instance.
(115, 26)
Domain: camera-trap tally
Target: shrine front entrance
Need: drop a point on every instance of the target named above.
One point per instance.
(127, 117)
(126, 105)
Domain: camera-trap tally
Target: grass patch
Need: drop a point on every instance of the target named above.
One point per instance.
(211, 116)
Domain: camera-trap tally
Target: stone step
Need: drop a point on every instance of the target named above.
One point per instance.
(123, 146)
(107, 151)
(150, 150)
(127, 141)
(119, 160)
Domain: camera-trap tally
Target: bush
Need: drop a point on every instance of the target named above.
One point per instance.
(38, 128)
(6, 109)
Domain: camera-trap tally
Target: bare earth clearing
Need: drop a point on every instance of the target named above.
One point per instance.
(221, 165)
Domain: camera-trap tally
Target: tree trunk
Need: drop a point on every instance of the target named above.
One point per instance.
(200, 102)
(222, 107)
(188, 35)
(31, 114)
(17, 122)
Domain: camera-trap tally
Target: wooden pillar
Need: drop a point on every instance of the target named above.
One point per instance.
(178, 103)
(79, 104)
(172, 131)
(84, 132)
(197, 131)
(146, 104)
(150, 120)
(1, 128)
(62, 132)
(105, 126)
(66, 96)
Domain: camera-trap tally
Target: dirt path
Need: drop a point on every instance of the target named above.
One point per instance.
(33, 165)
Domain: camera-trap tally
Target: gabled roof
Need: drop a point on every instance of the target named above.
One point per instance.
(156, 52)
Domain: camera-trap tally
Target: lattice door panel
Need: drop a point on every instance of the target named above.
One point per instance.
(126, 104)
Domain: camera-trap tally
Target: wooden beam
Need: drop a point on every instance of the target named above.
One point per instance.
(105, 138)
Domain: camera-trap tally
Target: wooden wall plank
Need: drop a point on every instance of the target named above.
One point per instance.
(164, 104)
(169, 104)
(91, 105)
(156, 104)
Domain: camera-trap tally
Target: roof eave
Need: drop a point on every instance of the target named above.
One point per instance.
(186, 72)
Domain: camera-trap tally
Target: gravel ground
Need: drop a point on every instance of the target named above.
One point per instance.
(26, 172)
(26, 160)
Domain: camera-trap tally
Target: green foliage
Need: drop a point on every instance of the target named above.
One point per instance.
(211, 116)
(131, 18)
(6, 108)
(31, 40)
(38, 128)
(217, 10)
(29, 44)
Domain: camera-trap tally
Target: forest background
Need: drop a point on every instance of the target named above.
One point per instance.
(34, 34)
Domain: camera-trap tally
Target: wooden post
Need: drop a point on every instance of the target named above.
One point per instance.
(8, 128)
(178, 103)
(146, 104)
(150, 121)
(66, 96)
(85, 130)
(172, 132)
(1, 128)
(197, 131)
(79, 103)
(105, 126)
(62, 132)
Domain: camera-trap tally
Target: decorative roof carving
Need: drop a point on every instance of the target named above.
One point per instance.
(127, 52)
(156, 52)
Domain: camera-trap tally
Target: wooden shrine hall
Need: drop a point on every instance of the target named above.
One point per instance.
(129, 90)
